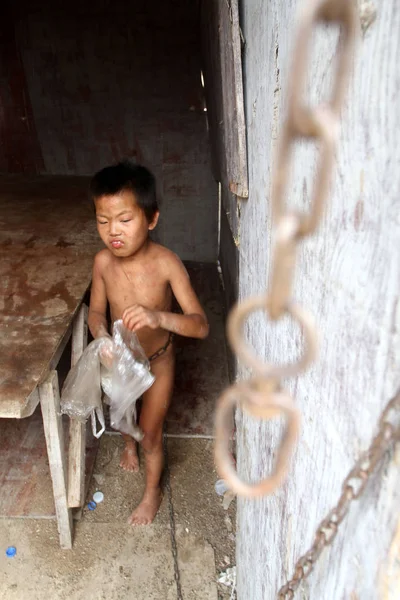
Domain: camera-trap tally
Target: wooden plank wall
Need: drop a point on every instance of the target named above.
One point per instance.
(349, 277)
(221, 54)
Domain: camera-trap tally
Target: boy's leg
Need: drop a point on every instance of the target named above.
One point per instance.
(129, 457)
(154, 410)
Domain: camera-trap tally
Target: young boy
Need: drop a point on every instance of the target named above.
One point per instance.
(138, 277)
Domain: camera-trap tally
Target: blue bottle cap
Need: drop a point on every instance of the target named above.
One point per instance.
(91, 505)
(11, 551)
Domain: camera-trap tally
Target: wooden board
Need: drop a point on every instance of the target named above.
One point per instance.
(53, 429)
(48, 240)
(348, 276)
(224, 92)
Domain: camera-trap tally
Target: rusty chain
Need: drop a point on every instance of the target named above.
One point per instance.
(352, 488)
(262, 396)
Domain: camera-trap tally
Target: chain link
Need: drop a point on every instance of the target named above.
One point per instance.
(172, 521)
(352, 488)
(261, 395)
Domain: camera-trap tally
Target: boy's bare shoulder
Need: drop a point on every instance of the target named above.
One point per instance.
(169, 261)
(102, 260)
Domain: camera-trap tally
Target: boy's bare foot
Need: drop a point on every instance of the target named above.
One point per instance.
(146, 511)
(130, 459)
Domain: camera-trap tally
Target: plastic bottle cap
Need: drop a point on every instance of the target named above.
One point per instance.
(11, 551)
(98, 497)
(91, 505)
(221, 487)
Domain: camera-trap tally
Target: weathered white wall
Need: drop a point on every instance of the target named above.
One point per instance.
(349, 277)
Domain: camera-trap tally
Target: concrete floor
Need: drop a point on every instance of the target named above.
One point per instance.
(110, 559)
(113, 560)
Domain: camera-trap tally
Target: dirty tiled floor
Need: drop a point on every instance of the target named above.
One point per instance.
(115, 561)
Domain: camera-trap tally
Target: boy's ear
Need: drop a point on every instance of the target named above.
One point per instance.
(154, 222)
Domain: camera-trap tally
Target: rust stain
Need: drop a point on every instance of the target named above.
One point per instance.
(30, 242)
(62, 243)
(358, 214)
(25, 300)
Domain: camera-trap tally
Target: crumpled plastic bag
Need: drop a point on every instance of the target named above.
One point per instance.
(128, 378)
(81, 393)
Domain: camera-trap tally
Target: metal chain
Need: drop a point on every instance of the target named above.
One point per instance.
(172, 521)
(262, 395)
(352, 488)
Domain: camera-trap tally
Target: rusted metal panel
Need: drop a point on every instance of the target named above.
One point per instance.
(47, 242)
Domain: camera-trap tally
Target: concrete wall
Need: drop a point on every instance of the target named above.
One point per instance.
(349, 277)
(87, 83)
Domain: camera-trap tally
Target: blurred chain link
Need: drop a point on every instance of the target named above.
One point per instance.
(263, 395)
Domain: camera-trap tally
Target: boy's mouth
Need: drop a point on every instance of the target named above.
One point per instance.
(117, 244)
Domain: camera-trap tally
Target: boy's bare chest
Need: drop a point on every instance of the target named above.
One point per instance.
(145, 286)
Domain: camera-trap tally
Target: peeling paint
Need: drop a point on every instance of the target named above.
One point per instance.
(368, 14)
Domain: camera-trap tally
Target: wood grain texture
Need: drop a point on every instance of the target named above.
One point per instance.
(77, 430)
(222, 64)
(53, 429)
(349, 277)
(232, 98)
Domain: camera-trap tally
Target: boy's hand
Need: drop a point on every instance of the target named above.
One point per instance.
(106, 353)
(135, 317)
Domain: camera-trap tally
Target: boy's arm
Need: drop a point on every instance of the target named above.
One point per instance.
(193, 323)
(98, 301)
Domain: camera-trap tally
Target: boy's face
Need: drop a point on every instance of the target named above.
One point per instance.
(122, 224)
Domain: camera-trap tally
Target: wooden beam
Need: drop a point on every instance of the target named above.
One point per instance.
(51, 412)
(77, 437)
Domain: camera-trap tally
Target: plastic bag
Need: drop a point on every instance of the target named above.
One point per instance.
(81, 393)
(129, 378)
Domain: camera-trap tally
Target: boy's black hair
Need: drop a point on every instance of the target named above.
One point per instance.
(126, 175)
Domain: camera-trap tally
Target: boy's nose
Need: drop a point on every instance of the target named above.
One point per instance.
(114, 229)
